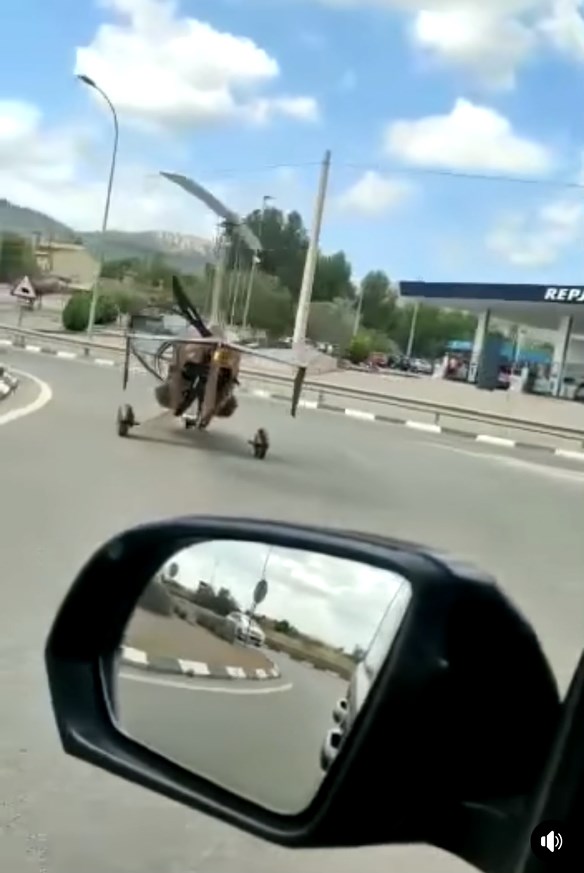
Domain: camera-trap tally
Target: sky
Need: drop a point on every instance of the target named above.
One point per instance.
(422, 103)
(339, 602)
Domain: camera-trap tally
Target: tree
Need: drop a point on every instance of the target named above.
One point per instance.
(16, 258)
(119, 269)
(379, 309)
(285, 243)
(271, 307)
(331, 323)
(435, 328)
(333, 278)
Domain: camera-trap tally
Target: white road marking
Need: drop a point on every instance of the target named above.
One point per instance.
(492, 440)
(424, 426)
(195, 667)
(570, 454)
(572, 477)
(189, 686)
(360, 414)
(45, 395)
(137, 656)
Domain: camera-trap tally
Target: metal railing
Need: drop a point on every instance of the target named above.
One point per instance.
(437, 410)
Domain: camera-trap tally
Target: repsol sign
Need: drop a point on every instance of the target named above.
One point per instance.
(564, 295)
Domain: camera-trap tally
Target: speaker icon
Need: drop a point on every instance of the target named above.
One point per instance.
(552, 841)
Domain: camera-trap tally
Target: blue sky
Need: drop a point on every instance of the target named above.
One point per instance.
(245, 95)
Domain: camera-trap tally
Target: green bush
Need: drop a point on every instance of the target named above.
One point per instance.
(217, 625)
(157, 600)
(359, 349)
(106, 311)
(76, 311)
(129, 302)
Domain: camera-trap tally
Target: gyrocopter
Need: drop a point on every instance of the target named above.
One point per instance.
(197, 375)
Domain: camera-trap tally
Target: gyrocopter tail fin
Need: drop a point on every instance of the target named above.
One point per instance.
(297, 389)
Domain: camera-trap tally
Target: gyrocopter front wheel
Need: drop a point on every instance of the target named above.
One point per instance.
(125, 420)
(260, 444)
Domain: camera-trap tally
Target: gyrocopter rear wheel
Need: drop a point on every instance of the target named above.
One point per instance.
(125, 420)
(260, 444)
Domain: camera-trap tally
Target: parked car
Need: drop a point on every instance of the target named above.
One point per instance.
(246, 629)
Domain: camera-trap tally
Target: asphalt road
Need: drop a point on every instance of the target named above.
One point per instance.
(260, 739)
(67, 482)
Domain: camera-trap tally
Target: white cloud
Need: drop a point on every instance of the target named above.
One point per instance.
(165, 70)
(62, 172)
(469, 138)
(538, 239)
(490, 44)
(564, 27)
(491, 39)
(337, 601)
(374, 194)
(299, 108)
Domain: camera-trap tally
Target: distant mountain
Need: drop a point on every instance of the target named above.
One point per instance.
(30, 223)
(189, 254)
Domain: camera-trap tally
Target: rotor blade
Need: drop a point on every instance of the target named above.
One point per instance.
(215, 205)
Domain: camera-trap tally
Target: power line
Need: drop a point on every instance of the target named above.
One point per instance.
(402, 171)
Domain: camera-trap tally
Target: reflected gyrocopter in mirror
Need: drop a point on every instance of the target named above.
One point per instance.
(247, 663)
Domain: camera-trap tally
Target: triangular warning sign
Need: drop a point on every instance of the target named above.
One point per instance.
(24, 290)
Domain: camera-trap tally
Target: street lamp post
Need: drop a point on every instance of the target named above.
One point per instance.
(95, 289)
(254, 263)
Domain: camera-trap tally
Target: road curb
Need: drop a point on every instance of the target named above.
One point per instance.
(359, 414)
(425, 427)
(139, 659)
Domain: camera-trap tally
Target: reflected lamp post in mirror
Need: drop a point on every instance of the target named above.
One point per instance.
(260, 593)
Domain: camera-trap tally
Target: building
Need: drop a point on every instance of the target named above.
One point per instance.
(69, 261)
(558, 309)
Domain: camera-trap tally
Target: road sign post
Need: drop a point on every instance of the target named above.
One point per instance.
(25, 295)
(259, 595)
(260, 592)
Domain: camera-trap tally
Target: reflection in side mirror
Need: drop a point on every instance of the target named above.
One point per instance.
(340, 710)
(240, 658)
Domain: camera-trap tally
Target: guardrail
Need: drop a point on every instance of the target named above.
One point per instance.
(437, 410)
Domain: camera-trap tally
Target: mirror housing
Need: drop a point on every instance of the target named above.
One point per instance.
(455, 731)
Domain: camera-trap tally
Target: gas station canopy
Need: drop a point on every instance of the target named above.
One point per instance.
(538, 306)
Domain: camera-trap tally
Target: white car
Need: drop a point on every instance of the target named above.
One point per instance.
(246, 629)
(365, 674)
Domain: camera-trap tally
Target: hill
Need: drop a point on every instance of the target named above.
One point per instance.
(184, 253)
(30, 222)
(188, 254)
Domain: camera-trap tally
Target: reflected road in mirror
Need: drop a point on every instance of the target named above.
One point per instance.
(247, 663)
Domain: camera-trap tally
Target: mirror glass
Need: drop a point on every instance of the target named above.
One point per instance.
(247, 663)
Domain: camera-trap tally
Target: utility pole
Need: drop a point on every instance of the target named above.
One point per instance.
(357, 322)
(412, 335)
(299, 337)
(220, 269)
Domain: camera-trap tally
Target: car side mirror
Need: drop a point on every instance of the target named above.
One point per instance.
(212, 660)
